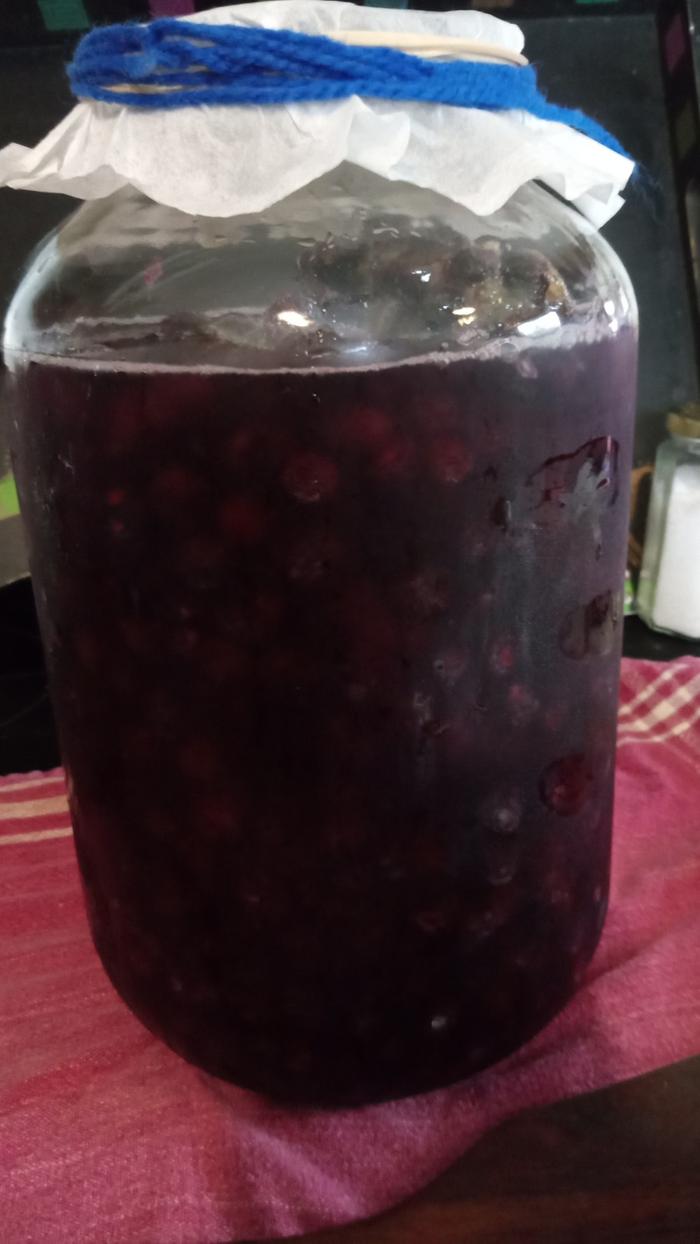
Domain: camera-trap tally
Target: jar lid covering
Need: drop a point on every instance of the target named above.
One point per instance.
(232, 159)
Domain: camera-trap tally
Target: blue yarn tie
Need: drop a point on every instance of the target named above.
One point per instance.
(201, 64)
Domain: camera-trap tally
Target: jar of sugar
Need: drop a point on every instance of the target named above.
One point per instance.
(669, 586)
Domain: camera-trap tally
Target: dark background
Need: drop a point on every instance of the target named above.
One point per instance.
(602, 57)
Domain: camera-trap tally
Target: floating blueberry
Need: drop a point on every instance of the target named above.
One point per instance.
(242, 520)
(395, 457)
(523, 704)
(565, 784)
(449, 666)
(429, 592)
(174, 487)
(367, 426)
(450, 459)
(502, 656)
(310, 477)
(310, 559)
(591, 629)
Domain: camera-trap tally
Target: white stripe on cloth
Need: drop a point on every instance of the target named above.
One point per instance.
(666, 719)
(33, 808)
(39, 835)
(632, 707)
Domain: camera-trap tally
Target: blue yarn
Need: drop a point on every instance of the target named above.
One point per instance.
(243, 65)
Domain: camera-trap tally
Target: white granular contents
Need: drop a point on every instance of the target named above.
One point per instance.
(677, 597)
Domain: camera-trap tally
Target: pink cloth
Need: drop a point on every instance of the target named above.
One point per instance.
(105, 1135)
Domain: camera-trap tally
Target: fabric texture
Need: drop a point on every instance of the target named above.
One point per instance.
(106, 1136)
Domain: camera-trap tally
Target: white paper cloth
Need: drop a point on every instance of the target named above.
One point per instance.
(227, 160)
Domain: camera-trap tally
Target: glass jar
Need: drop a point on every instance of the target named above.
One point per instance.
(327, 511)
(669, 582)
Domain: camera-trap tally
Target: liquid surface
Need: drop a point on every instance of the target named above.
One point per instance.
(335, 660)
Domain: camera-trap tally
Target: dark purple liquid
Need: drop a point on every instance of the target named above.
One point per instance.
(335, 660)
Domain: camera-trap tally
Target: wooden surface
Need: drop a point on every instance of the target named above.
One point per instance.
(621, 1166)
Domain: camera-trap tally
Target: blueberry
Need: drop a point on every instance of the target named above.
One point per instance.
(591, 629)
(449, 666)
(565, 784)
(395, 458)
(431, 921)
(502, 857)
(429, 593)
(174, 487)
(367, 426)
(198, 759)
(450, 459)
(522, 704)
(242, 520)
(502, 657)
(310, 477)
(311, 558)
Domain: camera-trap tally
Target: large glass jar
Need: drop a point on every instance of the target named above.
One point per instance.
(327, 511)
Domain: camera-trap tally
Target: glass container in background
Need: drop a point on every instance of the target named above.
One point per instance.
(669, 585)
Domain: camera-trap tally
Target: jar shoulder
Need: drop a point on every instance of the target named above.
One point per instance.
(350, 271)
